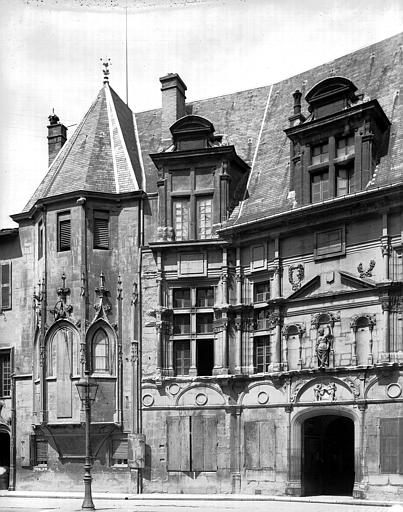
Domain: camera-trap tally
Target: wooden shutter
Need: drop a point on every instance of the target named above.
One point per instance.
(178, 441)
(204, 443)
(389, 453)
(259, 444)
(41, 451)
(64, 232)
(101, 230)
(267, 444)
(5, 280)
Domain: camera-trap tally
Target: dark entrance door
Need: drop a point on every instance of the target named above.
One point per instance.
(4, 459)
(328, 455)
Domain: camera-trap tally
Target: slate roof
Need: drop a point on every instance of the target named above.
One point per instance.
(109, 151)
(102, 155)
(254, 121)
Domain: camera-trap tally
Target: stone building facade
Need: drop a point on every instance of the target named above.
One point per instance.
(231, 272)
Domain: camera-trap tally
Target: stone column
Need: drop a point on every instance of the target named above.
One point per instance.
(238, 345)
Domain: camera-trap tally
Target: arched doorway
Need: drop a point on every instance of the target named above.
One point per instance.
(328, 455)
(4, 459)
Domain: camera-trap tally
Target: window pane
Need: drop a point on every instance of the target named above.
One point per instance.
(262, 292)
(100, 352)
(262, 354)
(182, 357)
(204, 323)
(204, 179)
(181, 218)
(319, 187)
(181, 324)
(181, 181)
(5, 374)
(205, 297)
(181, 298)
(204, 218)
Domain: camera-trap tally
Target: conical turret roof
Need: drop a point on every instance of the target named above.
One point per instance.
(102, 155)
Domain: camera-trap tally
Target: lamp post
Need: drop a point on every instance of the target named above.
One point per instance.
(87, 388)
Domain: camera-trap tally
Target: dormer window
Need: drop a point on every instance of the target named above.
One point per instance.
(319, 187)
(337, 147)
(320, 154)
(345, 147)
(345, 180)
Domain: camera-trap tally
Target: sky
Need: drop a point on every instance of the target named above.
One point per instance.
(50, 53)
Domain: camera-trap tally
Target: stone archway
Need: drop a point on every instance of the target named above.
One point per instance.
(322, 445)
(327, 465)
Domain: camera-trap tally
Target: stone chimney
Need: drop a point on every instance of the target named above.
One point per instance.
(57, 136)
(297, 117)
(173, 103)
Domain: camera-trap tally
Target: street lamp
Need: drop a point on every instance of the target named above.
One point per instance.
(87, 388)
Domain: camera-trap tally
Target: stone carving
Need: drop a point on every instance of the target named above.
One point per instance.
(325, 318)
(61, 308)
(323, 345)
(296, 274)
(295, 392)
(368, 272)
(354, 385)
(103, 307)
(323, 392)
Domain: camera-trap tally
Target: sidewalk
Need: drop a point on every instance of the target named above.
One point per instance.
(334, 500)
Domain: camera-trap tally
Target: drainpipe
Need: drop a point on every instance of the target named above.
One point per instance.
(11, 483)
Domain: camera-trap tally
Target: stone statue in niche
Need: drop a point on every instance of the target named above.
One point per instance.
(323, 344)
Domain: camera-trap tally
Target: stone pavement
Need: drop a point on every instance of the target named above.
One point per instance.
(71, 502)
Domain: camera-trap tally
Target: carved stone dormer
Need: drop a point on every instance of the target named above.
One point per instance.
(335, 150)
(200, 181)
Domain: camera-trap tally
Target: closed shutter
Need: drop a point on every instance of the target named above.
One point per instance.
(5, 280)
(64, 232)
(101, 230)
(41, 451)
(178, 441)
(260, 439)
(267, 444)
(204, 443)
(389, 453)
(120, 451)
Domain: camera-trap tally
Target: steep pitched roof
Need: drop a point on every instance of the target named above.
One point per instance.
(254, 121)
(102, 155)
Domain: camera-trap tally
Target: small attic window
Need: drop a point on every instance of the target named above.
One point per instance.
(331, 95)
(192, 132)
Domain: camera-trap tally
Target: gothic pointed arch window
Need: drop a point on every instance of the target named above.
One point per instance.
(100, 352)
(101, 344)
(62, 367)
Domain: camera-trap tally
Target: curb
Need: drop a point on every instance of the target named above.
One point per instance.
(199, 497)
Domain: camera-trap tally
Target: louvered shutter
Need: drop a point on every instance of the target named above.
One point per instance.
(64, 232)
(101, 230)
(5, 280)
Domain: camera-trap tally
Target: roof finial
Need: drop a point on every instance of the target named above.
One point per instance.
(106, 63)
(53, 118)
